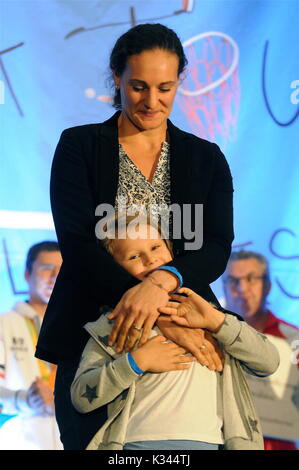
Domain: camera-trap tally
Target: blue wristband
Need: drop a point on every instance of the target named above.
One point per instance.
(134, 365)
(173, 270)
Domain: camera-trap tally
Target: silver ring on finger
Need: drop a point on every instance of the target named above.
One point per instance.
(136, 328)
(202, 347)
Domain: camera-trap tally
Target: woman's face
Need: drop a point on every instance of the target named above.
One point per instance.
(148, 87)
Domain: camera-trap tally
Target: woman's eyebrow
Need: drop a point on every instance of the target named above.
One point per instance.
(133, 81)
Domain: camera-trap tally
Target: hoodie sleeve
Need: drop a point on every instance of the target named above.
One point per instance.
(257, 355)
(99, 378)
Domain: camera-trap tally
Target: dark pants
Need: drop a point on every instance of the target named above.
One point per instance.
(76, 429)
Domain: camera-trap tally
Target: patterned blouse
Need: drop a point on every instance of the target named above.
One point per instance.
(136, 192)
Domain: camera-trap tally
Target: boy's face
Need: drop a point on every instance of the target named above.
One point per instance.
(141, 255)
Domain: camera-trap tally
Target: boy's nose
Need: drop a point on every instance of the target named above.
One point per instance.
(150, 259)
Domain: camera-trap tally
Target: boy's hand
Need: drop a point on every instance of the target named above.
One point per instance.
(157, 355)
(193, 311)
(200, 343)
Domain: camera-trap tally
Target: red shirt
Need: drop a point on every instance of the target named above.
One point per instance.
(272, 327)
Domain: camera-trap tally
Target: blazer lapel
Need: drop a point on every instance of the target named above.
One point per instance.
(108, 164)
(180, 187)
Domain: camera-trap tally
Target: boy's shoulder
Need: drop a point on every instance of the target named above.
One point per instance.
(102, 325)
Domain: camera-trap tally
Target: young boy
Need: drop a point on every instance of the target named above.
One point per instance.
(158, 397)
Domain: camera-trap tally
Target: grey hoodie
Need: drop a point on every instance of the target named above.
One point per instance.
(106, 378)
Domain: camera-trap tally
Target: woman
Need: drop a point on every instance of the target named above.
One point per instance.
(140, 154)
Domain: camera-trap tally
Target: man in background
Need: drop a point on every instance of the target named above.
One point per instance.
(246, 287)
(27, 383)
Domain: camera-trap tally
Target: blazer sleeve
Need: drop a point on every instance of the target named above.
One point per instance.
(203, 266)
(73, 205)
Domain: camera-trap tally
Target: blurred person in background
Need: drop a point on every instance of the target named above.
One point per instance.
(246, 287)
(26, 383)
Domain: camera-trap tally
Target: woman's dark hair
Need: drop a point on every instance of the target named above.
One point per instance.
(141, 38)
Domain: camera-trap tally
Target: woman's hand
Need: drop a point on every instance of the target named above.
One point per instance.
(137, 310)
(198, 342)
(157, 355)
(193, 311)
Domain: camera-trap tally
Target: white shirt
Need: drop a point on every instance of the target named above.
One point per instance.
(179, 405)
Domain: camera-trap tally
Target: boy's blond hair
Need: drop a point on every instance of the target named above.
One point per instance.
(108, 242)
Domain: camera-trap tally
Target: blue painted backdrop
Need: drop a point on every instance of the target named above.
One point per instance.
(53, 72)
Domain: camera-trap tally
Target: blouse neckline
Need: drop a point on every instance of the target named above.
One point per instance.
(164, 151)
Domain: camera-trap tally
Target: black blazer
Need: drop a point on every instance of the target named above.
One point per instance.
(85, 174)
